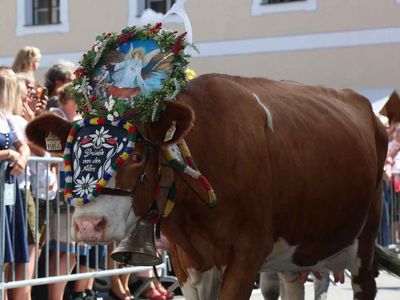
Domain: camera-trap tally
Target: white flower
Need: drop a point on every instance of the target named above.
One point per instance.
(116, 114)
(85, 185)
(97, 46)
(110, 117)
(84, 87)
(100, 136)
(109, 103)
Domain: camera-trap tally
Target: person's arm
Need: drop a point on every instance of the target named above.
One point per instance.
(9, 154)
(20, 162)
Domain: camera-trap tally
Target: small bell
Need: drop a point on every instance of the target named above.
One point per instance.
(139, 247)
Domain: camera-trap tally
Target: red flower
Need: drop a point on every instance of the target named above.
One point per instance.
(154, 29)
(86, 140)
(178, 46)
(79, 72)
(92, 99)
(111, 141)
(125, 37)
(84, 107)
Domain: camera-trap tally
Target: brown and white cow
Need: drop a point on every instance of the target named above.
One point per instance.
(297, 170)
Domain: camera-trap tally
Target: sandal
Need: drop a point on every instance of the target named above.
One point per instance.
(152, 293)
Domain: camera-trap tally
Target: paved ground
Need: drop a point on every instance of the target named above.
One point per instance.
(388, 289)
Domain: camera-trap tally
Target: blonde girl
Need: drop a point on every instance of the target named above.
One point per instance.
(16, 151)
(27, 60)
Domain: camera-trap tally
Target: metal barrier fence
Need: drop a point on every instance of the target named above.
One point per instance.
(55, 215)
(389, 235)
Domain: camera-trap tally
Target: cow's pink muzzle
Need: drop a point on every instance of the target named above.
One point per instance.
(90, 229)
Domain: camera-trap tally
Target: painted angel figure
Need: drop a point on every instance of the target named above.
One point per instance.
(134, 71)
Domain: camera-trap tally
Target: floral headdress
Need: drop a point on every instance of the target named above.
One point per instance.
(102, 90)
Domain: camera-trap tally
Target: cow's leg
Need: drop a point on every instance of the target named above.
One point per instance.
(239, 277)
(202, 285)
(294, 288)
(269, 283)
(364, 271)
(195, 285)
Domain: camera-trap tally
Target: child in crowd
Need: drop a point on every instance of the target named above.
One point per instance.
(27, 60)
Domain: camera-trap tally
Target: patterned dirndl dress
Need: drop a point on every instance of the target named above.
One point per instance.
(16, 239)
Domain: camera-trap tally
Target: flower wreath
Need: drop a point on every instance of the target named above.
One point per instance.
(141, 108)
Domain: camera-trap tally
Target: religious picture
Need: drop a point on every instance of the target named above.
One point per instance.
(134, 68)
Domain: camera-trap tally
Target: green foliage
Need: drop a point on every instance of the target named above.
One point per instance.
(147, 108)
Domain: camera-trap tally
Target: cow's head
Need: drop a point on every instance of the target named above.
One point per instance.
(129, 193)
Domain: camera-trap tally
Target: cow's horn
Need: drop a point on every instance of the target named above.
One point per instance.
(138, 248)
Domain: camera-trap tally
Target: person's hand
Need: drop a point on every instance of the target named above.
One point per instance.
(387, 175)
(27, 112)
(19, 166)
(18, 162)
(13, 155)
(40, 105)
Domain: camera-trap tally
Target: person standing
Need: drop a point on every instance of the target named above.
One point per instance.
(16, 151)
(27, 60)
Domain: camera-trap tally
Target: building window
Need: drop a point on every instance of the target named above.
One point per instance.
(42, 16)
(137, 7)
(160, 6)
(260, 7)
(45, 12)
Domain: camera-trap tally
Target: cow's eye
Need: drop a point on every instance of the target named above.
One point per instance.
(136, 157)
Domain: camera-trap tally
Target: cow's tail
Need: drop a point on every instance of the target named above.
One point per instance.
(387, 260)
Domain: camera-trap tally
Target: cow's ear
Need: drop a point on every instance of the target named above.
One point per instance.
(174, 123)
(45, 126)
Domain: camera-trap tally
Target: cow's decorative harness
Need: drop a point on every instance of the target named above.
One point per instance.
(80, 141)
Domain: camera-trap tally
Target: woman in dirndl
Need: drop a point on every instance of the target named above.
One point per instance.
(14, 152)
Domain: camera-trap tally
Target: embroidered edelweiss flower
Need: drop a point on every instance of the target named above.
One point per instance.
(84, 185)
(100, 136)
(109, 103)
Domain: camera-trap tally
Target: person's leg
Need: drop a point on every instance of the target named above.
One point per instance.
(22, 272)
(5, 270)
(56, 290)
(117, 286)
(125, 283)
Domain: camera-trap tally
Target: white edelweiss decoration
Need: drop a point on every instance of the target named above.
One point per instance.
(84, 185)
(109, 104)
(84, 87)
(100, 136)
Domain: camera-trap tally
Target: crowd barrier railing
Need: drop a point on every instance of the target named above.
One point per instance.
(389, 234)
(55, 215)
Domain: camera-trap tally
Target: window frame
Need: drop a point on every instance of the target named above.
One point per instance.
(258, 7)
(138, 5)
(25, 15)
(50, 9)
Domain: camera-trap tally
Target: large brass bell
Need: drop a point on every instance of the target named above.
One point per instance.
(139, 247)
